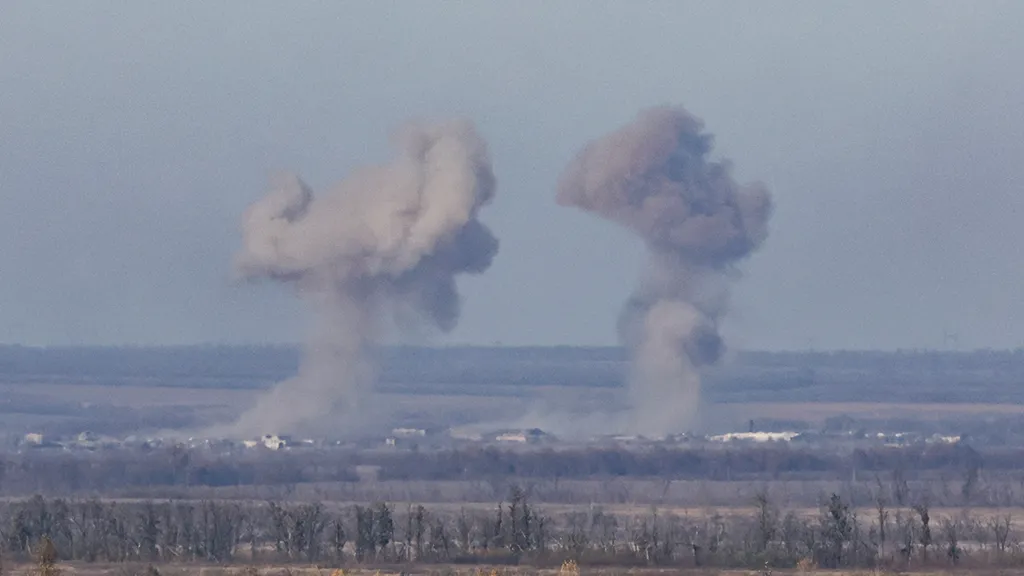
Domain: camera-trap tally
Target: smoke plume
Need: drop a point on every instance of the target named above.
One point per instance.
(654, 177)
(384, 244)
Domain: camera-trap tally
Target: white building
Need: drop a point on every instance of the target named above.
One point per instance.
(755, 437)
(273, 441)
(408, 432)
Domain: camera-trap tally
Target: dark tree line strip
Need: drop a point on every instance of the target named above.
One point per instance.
(512, 531)
(56, 471)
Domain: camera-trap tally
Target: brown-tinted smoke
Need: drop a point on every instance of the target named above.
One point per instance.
(386, 242)
(654, 177)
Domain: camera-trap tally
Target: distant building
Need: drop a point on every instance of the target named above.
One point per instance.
(465, 434)
(533, 435)
(408, 432)
(91, 441)
(755, 437)
(273, 441)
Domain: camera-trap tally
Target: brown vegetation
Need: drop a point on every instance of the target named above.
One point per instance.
(512, 532)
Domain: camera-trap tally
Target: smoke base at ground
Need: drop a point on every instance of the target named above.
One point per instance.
(654, 177)
(382, 248)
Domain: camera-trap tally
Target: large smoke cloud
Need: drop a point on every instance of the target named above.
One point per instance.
(654, 177)
(387, 242)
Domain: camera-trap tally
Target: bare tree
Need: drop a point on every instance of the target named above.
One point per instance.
(575, 539)
(1000, 527)
(900, 489)
(603, 529)
(925, 537)
(951, 528)
(882, 516)
(971, 474)
(767, 520)
(213, 530)
(338, 539)
(366, 545)
(383, 528)
(419, 525)
(837, 528)
(440, 542)
(464, 532)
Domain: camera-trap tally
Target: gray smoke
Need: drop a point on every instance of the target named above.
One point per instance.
(384, 244)
(654, 177)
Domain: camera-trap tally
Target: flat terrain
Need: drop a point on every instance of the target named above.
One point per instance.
(122, 391)
(458, 570)
(69, 407)
(817, 412)
(964, 411)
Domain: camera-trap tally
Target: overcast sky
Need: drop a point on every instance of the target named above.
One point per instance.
(133, 134)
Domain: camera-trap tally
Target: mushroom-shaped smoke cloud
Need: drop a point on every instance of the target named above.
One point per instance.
(654, 177)
(387, 241)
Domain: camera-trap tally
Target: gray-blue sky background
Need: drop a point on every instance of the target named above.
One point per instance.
(133, 134)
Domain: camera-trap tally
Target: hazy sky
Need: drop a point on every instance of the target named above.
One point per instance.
(133, 134)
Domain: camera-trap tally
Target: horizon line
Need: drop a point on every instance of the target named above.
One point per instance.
(499, 346)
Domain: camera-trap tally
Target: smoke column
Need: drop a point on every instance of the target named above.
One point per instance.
(653, 176)
(387, 242)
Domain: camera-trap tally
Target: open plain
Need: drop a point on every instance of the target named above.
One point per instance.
(799, 460)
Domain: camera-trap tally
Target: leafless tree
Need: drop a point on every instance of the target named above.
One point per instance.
(767, 520)
(1000, 527)
(882, 517)
(952, 528)
(925, 536)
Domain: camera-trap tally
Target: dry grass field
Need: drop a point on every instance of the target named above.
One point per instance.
(213, 404)
(646, 490)
(816, 412)
(566, 569)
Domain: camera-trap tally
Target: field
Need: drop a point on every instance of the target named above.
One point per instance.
(122, 391)
(209, 403)
(899, 465)
(405, 570)
(443, 570)
(818, 412)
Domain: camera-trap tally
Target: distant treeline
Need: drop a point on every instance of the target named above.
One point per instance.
(770, 463)
(56, 472)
